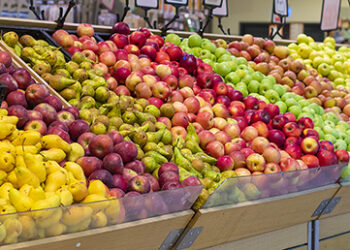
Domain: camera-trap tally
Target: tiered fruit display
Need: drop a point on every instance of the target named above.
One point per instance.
(177, 110)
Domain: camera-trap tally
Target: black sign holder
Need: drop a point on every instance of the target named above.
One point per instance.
(219, 16)
(177, 6)
(61, 18)
(210, 9)
(125, 11)
(146, 9)
(281, 24)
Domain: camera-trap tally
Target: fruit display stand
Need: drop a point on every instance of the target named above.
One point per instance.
(273, 215)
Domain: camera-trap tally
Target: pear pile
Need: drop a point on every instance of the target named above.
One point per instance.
(32, 179)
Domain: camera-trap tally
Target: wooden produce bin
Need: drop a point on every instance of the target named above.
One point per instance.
(230, 223)
(143, 234)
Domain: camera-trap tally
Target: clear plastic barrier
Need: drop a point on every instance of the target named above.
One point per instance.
(25, 226)
(254, 187)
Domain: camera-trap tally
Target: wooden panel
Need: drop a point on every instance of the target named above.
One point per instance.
(343, 206)
(276, 240)
(341, 242)
(144, 234)
(334, 225)
(18, 62)
(231, 223)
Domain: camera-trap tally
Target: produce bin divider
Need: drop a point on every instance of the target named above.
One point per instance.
(18, 62)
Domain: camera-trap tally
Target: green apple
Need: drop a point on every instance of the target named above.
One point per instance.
(233, 77)
(320, 132)
(291, 102)
(247, 78)
(206, 44)
(225, 58)
(342, 134)
(329, 123)
(295, 109)
(210, 62)
(292, 46)
(345, 174)
(265, 85)
(344, 124)
(173, 38)
(305, 114)
(241, 85)
(339, 81)
(188, 50)
(318, 60)
(263, 98)
(340, 144)
(243, 90)
(282, 106)
(279, 89)
(287, 95)
(298, 97)
(302, 38)
(308, 110)
(304, 103)
(339, 66)
(184, 43)
(241, 73)
(272, 96)
(330, 116)
(318, 122)
(233, 65)
(323, 69)
(271, 78)
(253, 86)
(330, 138)
(205, 54)
(258, 76)
(250, 70)
(223, 69)
(194, 40)
(196, 51)
(220, 51)
(338, 57)
(304, 50)
(242, 60)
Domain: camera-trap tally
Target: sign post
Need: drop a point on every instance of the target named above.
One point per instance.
(221, 12)
(211, 5)
(147, 5)
(279, 14)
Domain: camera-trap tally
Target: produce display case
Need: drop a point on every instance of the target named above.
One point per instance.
(57, 221)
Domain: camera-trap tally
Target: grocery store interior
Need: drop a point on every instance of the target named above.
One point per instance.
(175, 124)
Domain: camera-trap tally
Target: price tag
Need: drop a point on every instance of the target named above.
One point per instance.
(109, 4)
(280, 7)
(177, 2)
(223, 10)
(151, 4)
(213, 3)
(330, 15)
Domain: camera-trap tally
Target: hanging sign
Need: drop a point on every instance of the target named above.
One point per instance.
(150, 4)
(330, 15)
(109, 4)
(276, 19)
(177, 2)
(280, 7)
(223, 10)
(213, 3)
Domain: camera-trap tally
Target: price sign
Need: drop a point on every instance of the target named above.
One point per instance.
(109, 4)
(151, 4)
(280, 7)
(213, 3)
(177, 2)
(276, 19)
(330, 14)
(223, 10)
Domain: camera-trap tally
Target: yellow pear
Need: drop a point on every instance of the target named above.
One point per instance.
(76, 152)
(12, 178)
(15, 134)
(114, 212)
(95, 201)
(98, 220)
(65, 195)
(55, 230)
(20, 150)
(42, 205)
(28, 227)
(9, 119)
(7, 212)
(53, 154)
(6, 129)
(2, 232)
(76, 214)
(54, 141)
(84, 225)
(53, 219)
(75, 169)
(97, 187)
(13, 230)
(3, 176)
(20, 201)
(25, 176)
(3, 112)
(78, 190)
(25, 189)
(29, 137)
(51, 167)
(55, 180)
(4, 190)
(7, 162)
(37, 194)
(35, 164)
(7, 147)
